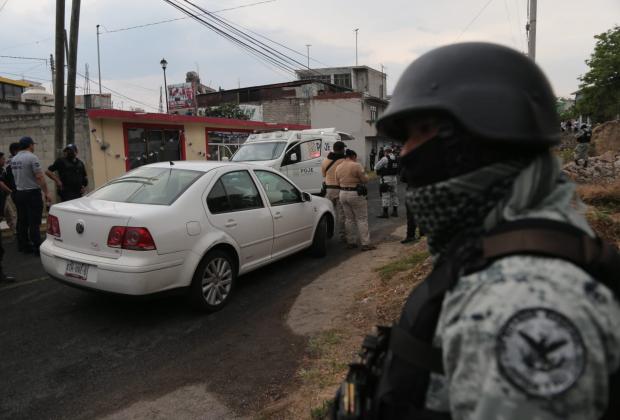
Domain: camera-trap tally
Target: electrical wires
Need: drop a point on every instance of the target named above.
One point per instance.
(263, 51)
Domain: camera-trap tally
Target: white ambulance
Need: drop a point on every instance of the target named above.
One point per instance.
(297, 154)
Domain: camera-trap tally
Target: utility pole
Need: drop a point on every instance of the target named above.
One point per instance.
(356, 30)
(72, 69)
(308, 54)
(383, 80)
(98, 60)
(53, 71)
(531, 30)
(86, 80)
(59, 88)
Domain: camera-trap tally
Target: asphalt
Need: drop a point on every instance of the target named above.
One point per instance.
(66, 353)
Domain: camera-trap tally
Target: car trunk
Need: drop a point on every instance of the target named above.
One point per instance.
(85, 225)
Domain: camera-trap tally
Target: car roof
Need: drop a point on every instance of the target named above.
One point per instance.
(200, 165)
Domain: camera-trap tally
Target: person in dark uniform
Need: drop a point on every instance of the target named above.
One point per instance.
(5, 192)
(30, 183)
(373, 158)
(71, 179)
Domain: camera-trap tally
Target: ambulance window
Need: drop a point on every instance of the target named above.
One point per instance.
(310, 149)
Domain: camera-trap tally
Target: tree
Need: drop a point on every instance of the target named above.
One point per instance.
(599, 91)
(228, 110)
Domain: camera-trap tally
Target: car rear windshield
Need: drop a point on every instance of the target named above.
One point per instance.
(160, 186)
(251, 152)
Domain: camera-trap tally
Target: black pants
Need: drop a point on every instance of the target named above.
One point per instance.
(411, 225)
(29, 212)
(69, 194)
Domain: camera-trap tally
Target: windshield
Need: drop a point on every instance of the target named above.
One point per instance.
(148, 186)
(259, 151)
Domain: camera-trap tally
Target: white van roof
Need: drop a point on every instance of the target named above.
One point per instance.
(290, 134)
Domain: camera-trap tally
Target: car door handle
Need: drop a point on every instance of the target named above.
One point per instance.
(277, 215)
(231, 223)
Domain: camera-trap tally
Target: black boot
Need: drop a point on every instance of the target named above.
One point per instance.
(385, 214)
(395, 211)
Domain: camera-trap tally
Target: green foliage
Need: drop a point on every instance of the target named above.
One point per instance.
(600, 86)
(228, 110)
(407, 263)
(321, 412)
(569, 114)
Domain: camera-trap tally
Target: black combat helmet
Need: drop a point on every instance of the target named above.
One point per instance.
(494, 92)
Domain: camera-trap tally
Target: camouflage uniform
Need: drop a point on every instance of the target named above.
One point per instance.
(388, 198)
(348, 175)
(527, 337)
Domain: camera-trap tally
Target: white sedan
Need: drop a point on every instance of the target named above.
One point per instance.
(195, 225)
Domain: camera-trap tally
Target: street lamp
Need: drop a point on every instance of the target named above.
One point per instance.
(164, 64)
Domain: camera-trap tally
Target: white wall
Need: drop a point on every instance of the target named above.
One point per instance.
(348, 115)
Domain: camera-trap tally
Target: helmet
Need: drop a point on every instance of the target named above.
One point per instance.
(494, 92)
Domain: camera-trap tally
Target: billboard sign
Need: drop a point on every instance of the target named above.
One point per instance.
(180, 96)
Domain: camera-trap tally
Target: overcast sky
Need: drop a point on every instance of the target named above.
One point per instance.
(391, 32)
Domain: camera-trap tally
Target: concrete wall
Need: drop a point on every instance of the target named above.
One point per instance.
(348, 115)
(8, 107)
(286, 111)
(40, 126)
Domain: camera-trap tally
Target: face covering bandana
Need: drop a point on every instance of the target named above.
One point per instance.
(459, 205)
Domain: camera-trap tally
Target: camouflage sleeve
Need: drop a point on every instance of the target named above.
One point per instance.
(527, 338)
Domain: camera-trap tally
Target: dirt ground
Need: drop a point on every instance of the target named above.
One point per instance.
(337, 310)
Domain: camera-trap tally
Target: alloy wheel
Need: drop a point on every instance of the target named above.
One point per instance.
(217, 281)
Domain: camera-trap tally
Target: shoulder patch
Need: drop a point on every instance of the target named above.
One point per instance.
(540, 352)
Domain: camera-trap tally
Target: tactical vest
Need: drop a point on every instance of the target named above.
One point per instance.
(392, 379)
(392, 167)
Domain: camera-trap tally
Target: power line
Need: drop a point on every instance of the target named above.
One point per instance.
(510, 25)
(159, 22)
(474, 19)
(251, 49)
(23, 58)
(3, 4)
(118, 93)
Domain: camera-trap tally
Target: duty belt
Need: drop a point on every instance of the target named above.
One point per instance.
(332, 187)
(348, 188)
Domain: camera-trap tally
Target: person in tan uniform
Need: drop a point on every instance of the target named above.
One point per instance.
(350, 176)
(332, 189)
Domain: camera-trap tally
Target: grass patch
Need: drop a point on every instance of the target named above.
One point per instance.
(389, 270)
(321, 412)
(606, 226)
(319, 344)
(605, 198)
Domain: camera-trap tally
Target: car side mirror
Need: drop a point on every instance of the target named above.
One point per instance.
(293, 157)
(306, 196)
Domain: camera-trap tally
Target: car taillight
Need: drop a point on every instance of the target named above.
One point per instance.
(134, 238)
(115, 237)
(53, 226)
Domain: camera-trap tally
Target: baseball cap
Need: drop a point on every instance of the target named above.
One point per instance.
(26, 141)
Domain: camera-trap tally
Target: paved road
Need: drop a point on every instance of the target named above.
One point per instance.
(69, 354)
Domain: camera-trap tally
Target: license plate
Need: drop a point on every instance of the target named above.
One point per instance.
(77, 270)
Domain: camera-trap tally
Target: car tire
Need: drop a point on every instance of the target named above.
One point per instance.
(214, 281)
(319, 242)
